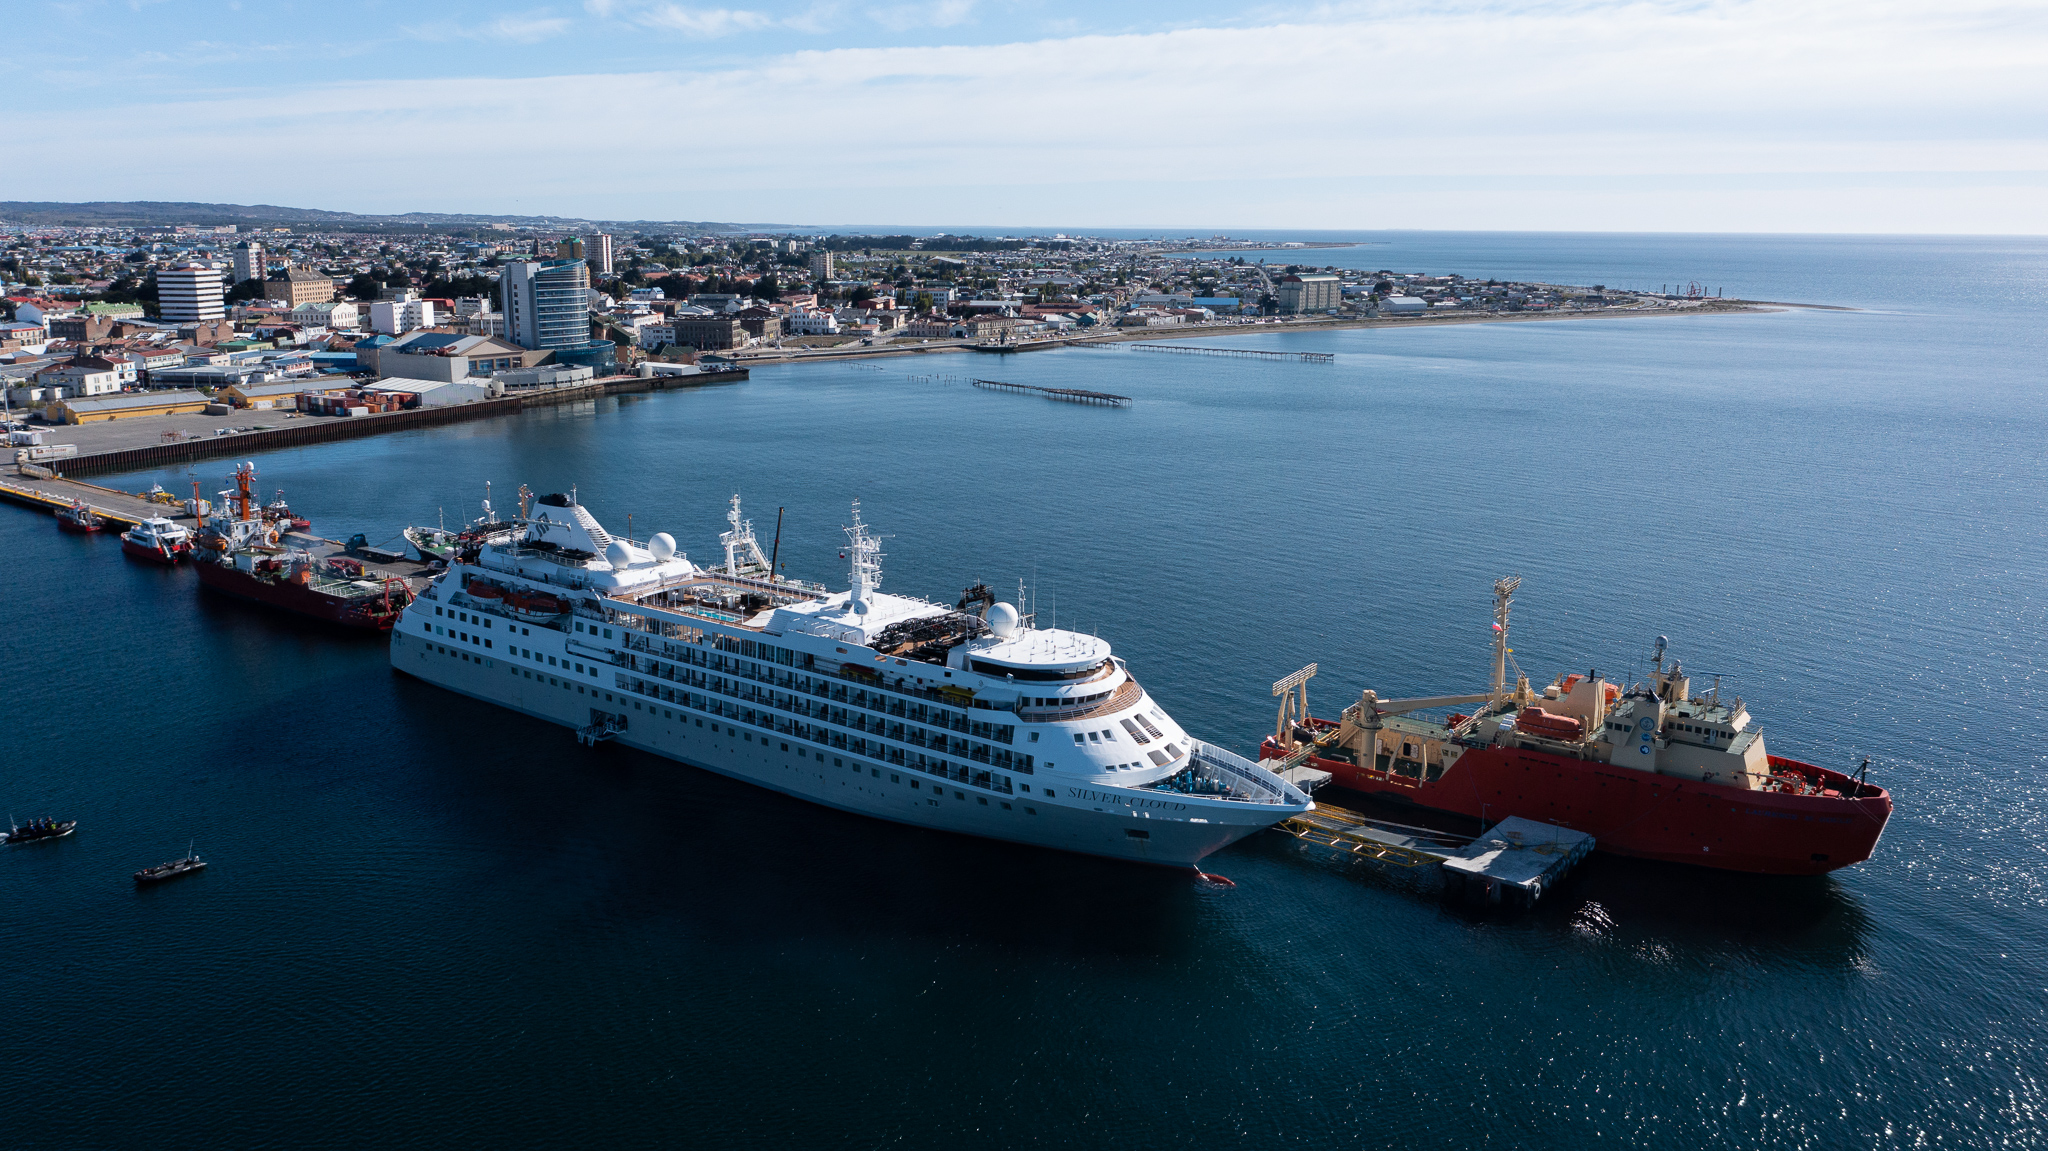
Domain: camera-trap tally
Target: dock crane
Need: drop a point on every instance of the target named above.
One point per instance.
(1365, 715)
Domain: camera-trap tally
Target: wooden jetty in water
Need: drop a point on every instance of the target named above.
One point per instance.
(1070, 395)
(1253, 353)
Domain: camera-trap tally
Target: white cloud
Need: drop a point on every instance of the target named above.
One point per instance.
(1538, 109)
(693, 20)
(517, 28)
(940, 14)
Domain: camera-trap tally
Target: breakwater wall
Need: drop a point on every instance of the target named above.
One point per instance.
(315, 429)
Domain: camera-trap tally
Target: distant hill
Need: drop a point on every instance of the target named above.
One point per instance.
(162, 213)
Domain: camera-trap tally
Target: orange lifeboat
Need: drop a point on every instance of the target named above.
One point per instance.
(533, 605)
(1536, 721)
(482, 590)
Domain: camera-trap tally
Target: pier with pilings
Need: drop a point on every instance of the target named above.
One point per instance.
(1241, 353)
(1070, 395)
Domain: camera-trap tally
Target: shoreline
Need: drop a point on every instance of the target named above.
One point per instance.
(1200, 331)
(145, 446)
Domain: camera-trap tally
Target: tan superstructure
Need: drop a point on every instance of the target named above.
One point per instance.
(1657, 727)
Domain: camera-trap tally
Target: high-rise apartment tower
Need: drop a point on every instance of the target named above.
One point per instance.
(547, 303)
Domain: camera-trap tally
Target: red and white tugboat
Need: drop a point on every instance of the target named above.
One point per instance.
(279, 514)
(158, 540)
(1652, 770)
(80, 518)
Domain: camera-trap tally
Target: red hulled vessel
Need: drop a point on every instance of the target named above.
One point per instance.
(240, 554)
(157, 540)
(1651, 771)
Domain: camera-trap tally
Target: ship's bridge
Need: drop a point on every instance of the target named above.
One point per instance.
(1035, 655)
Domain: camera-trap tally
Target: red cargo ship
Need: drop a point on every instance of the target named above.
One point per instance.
(1652, 771)
(239, 554)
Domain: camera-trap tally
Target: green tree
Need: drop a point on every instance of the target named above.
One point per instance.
(364, 287)
(249, 289)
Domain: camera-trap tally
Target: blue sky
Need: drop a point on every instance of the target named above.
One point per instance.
(1661, 115)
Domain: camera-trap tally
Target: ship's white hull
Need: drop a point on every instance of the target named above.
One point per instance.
(1148, 827)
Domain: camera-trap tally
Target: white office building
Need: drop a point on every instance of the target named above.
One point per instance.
(189, 294)
(393, 317)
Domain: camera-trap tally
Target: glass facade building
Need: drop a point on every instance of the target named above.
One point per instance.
(547, 303)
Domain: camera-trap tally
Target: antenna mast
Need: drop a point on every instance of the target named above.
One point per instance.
(866, 553)
(1503, 603)
(740, 539)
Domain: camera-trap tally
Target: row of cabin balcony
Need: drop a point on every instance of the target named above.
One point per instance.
(762, 716)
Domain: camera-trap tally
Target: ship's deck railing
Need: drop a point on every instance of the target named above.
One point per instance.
(958, 716)
(1247, 781)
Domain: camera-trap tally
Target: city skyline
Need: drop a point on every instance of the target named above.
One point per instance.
(1724, 116)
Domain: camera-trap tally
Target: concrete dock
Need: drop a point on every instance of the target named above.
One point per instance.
(55, 493)
(1514, 862)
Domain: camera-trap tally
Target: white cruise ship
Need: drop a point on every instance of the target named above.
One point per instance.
(966, 718)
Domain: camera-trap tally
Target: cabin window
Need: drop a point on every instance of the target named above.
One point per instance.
(1079, 738)
(607, 633)
(523, 631)
(1034, 737)
(487, 625)
(1094, 737)
(437, 611)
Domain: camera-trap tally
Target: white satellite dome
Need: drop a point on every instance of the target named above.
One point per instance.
(662, 547)
(618, 555)
(1002, 620)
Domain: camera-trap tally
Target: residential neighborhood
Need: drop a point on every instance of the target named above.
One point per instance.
(127, 318)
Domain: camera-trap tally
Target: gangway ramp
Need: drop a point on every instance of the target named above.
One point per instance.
(1356, 834)
(1514, 862)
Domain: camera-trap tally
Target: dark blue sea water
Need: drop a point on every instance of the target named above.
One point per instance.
(430, 922)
